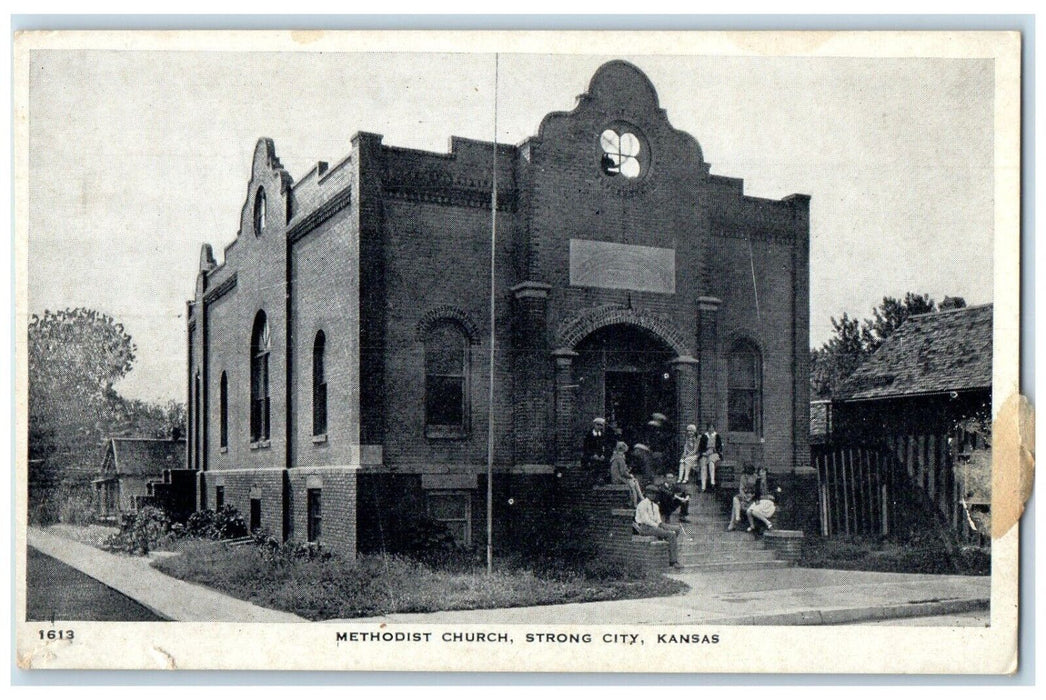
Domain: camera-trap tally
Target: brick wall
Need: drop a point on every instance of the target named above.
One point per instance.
(241, 486)
(403, 232)
(337, 487)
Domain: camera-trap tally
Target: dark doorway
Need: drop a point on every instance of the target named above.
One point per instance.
(632, 397)
(624, 374)
(255, 523)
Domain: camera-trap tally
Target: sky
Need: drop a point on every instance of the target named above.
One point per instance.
(137, 158)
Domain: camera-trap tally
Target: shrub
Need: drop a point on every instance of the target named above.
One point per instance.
(77, 508)
(558, 543)
(140, 532)
(280, 555)
(224, 524)
(44, 509)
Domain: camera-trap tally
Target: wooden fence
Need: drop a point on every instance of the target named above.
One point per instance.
(862, 488)
(855, 489)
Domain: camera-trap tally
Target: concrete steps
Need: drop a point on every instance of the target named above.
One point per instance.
(719, 566)
(740, 555)
(707, 546)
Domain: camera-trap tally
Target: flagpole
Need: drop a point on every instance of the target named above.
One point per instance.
(490, 383)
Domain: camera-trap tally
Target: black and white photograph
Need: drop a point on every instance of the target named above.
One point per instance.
(484, 351)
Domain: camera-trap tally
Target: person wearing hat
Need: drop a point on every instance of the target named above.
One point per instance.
(689, 458)
(596, 448)
(657, 439)
(619, 474)
(648, 522)
(643, 463)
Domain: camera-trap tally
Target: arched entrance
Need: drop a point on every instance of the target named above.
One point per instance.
(624, 373)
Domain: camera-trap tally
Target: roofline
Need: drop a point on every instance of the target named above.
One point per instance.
(953, 311)
(921, 394)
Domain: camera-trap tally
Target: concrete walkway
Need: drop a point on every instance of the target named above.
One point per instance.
(135, 578)
(792, 596)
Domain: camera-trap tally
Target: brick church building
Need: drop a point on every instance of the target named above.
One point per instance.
(338, 357)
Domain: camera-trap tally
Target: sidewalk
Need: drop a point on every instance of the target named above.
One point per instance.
(790, 596)
(772, 597)
(167, 597)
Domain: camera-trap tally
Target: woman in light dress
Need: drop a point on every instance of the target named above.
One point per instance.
(689, 459)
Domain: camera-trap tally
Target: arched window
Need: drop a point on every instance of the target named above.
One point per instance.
(446, 380)
(260, 378)
(223, 411)
(745, 388)
(259, 211)
(319, 386)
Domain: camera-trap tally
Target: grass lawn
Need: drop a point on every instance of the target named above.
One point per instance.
(378, 585)
(926, 556)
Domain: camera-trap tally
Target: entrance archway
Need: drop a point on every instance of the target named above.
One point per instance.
(624, 373)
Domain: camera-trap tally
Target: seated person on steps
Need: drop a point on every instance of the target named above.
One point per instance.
(619, 473)
(764, 506)
(648, 522)
(745, 496)
(671, 496)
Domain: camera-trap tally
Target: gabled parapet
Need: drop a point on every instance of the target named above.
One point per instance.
(269, 203)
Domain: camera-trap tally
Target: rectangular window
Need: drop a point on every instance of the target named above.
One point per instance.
(255, 514)
(315, 514)
(453, 509)
(446, 381)
(223, 411)
(744, 393)
(219, 497)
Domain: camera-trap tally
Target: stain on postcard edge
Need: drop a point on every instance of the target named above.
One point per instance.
(1013, 462)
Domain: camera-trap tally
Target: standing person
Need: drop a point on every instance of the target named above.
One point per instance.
(643, 463)
(619, 473)
(596, 448)
(657, 439)
(711, 450)
(648, 522)
(689, 459)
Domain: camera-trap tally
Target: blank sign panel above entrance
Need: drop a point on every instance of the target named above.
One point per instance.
(621, 266)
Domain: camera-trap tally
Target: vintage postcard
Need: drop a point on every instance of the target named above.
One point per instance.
(498, 351)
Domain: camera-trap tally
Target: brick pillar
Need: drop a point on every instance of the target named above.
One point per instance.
(708, 342)
(567, 449)
(531, 374)
(687, 395)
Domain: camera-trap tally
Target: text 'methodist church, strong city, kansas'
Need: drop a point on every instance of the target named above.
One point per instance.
(338, 358)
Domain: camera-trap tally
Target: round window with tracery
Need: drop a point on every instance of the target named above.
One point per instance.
(620, 154)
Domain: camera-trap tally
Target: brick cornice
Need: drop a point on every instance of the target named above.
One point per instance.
(322, 213)
(217, 292)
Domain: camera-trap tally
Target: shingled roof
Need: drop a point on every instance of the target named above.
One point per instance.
(930, 353)
(144, 456)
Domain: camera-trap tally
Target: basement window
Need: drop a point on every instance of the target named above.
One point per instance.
(454, 510)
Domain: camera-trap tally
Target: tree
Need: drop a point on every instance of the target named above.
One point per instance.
(889, 316)
(854, 341)
(75, 358)
(834, 361)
